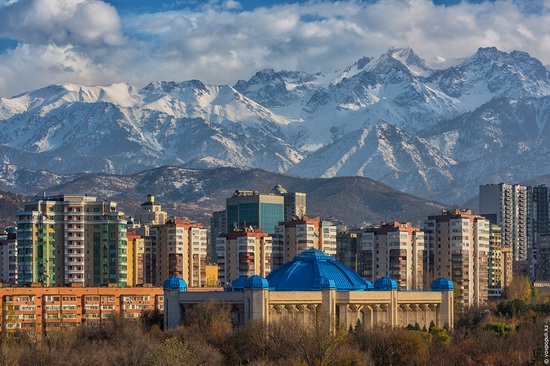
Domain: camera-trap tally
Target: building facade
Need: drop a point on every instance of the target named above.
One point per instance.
(41, 310)
(313, 288)
(348, 247)
(395, 250)
(500, 264)
(151, 213)
(136, 259)
(243, 253)
(542, 265)
(509, 203)
(218, 225)
(250, 209)
(8, 258)
(538, 221)
(457, 247)
(295, 205)
(181, 249)
(68, 239)
(293, 237)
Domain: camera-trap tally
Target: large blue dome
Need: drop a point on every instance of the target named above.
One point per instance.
(313, 270)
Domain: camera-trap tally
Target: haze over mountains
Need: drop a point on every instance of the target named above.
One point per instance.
(435, 131)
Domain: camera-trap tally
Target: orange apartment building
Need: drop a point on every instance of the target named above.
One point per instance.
(45, 309)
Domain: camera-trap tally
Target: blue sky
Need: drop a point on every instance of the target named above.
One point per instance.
(96, 42)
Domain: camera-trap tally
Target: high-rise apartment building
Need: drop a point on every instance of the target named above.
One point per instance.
(457, 247)
(538, 221)
(395, 250)
(542, 264)
(8, 258)
(509, 203)
(500, 263)
(218, 225)
(136, 259)
(71, 239)
(179, 248)
(295, 236)
(295, 205)
(250, 209)
(348, 247)
(244, 253)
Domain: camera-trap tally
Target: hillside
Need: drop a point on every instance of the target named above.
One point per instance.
(196, 193)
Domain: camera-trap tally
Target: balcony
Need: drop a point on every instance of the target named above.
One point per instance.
(74, 238)
(74, 263)
(75, 271)
(73, 255)
(74, 230)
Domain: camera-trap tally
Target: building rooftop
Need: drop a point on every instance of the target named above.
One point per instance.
(313, 270)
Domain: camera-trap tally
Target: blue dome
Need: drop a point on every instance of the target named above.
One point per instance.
(237, 284)
(323, 282)
(256, 282)
(385, 283)
(442, 284)
(174, 283)
(313, 270)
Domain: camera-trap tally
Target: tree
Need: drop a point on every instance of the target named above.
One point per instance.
(150, 318)
(318, 340)
(211, 320)
(520, 288)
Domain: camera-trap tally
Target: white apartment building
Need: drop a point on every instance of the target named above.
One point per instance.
(457, 246)
(295, 236)
(395, 250)
(507, 203)
(243, 253)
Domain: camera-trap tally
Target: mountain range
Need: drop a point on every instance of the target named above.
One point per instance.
(433, 130)
(196, 193)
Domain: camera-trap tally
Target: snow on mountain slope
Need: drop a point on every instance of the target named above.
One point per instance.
(384, 153)
(432, 130)
(162, 123)
(491, 73)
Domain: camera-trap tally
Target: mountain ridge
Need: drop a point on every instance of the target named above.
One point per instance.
(196, 193)
(377, 118)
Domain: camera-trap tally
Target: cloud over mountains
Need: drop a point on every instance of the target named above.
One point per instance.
(92, 42)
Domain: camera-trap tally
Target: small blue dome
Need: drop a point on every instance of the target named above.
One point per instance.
(385, 283)
(174, 283)
(313, 270)
(442, 284)
(237, 284)
(256, 282)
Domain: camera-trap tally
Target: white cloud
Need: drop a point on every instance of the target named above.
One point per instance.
(36, 66)
(221, 44)
(61, 22)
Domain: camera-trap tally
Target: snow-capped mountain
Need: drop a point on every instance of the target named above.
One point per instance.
(435, 130)
(163, 123)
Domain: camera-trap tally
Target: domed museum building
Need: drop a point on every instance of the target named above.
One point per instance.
(313, 286)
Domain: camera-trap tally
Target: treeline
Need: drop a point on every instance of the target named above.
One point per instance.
(511, 332)
(481, 337)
